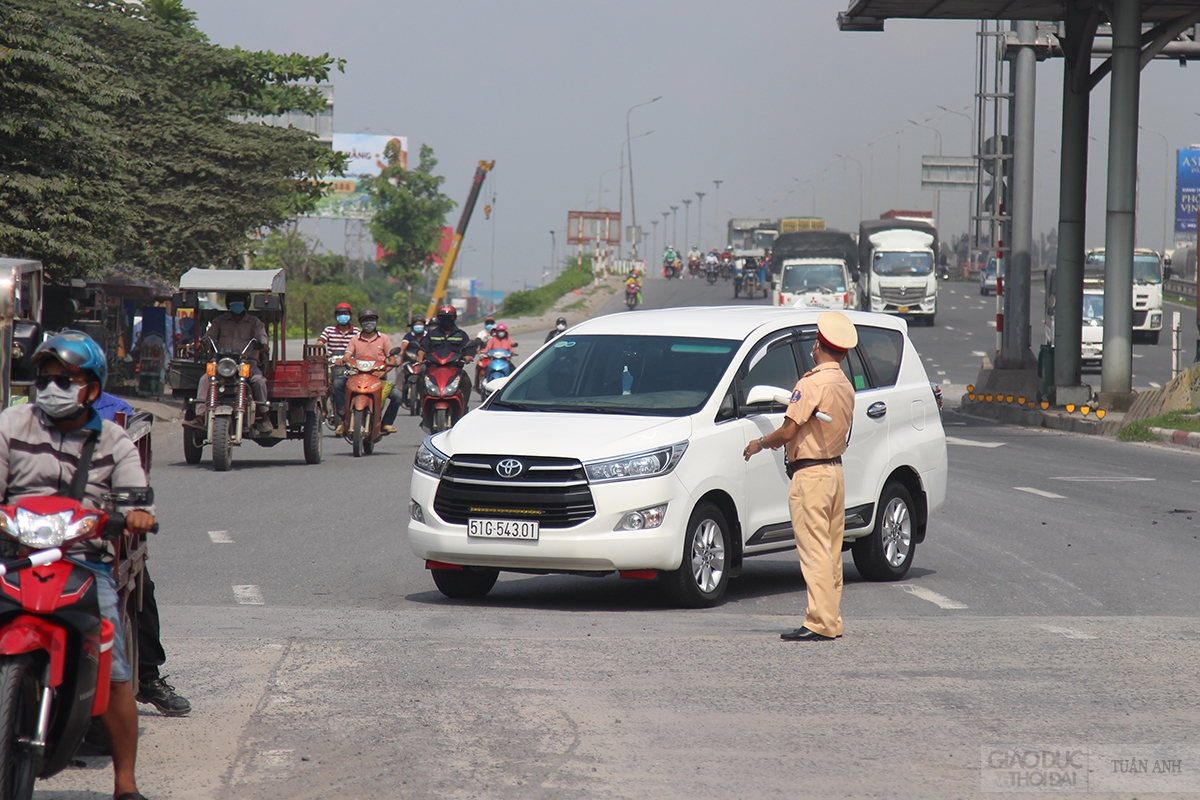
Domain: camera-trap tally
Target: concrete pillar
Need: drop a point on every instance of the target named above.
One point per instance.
(1116, 376)
(1014, 352)
(1072, 244)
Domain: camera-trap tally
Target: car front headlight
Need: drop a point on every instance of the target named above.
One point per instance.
(227, 368)
(649, 464)
(643, 519)
(429, 460)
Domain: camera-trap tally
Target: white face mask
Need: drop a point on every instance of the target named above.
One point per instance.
(59, 403)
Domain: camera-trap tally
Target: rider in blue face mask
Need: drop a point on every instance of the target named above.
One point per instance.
(335, 338)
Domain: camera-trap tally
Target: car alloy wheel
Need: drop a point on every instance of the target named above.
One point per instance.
(708, 556)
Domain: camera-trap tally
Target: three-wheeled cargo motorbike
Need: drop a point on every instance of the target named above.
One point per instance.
(297, 390)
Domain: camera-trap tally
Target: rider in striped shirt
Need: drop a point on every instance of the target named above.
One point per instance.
(335, 338)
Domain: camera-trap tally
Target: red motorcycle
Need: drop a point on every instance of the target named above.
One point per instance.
(444, 390)
(362, 417)
(55, 649)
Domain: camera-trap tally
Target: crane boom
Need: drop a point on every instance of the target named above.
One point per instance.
(439, 294)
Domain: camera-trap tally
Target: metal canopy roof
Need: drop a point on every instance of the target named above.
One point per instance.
(870, 14)
(233, 280)
(19, 266)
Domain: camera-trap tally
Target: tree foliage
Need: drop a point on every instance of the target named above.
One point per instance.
(410, 212)
(120, 142)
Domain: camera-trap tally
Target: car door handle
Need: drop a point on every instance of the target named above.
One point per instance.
(877, 410)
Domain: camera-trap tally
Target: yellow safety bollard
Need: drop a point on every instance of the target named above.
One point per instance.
(1008, 399)
(970, 388)
(1021, 401)
(1070, 408)
(1100, 412)
(1045, 404)
(1085, 410)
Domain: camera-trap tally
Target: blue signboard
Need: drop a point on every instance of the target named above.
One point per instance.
(1187, 192)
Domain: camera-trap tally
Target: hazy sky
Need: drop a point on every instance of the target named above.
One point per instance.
(753, 93)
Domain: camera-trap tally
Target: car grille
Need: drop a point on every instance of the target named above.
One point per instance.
(902, 295)
(1139, 318)
(554, 491)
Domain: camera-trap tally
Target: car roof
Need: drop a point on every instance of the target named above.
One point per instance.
(719, 322)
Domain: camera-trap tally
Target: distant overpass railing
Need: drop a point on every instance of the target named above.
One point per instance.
(1180, 288)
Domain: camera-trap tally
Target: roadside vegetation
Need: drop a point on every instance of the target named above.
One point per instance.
(534, 302)
(122, 147)
(1188, 420)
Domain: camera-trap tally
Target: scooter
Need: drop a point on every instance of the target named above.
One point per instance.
(693, 267)
(631, 296)
(499, 366)
(411, 370)
(55, 649)
(712, 272)
(444, 394)
(363, 414)
(671, 269)
(726, 265)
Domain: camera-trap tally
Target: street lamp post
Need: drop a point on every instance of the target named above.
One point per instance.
(700, 217)
(970, 194)
(687, 222)
(1166, 185)
(600, 189)
(654, 241)
(552, 249)
(937, 193)
(632, 204)
(625, 145)
(674, 224)
(717, 223)
(860, 185)
(813, 188)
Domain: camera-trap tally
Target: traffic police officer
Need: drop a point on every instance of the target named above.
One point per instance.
(815, 431)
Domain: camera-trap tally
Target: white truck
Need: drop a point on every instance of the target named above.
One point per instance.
(1147, 289)
(897, 263)
(815, 269)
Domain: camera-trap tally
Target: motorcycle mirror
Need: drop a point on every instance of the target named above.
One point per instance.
(395, 351)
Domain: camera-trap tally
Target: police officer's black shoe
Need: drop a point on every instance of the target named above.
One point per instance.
(162, 696)
(805, 635)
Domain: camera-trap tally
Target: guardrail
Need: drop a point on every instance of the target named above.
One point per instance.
(1181, 288)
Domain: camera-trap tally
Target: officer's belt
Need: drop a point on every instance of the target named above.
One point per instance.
(801, 463)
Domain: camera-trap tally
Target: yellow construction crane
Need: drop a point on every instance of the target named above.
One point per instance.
(439, 294)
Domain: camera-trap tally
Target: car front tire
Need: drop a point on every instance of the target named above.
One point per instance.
(465, 584)
(703, 575)
(887, 552)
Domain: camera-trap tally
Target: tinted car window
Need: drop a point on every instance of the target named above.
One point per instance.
(881, 348)
(774, 367)
(852, 364)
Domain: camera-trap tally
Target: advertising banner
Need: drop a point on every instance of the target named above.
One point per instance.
(1187, 191)
(347, 196)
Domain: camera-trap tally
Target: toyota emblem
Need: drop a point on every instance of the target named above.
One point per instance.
(509, 468)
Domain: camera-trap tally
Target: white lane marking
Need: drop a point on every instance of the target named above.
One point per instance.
(1155, 385)
(1040, 493)
(978, 353)
(939, 600)
(220, 537)
(1067, 632)
(942, 372)
(954, 308)
(1137, 355)
(249, 595)
(274, 759)
(972, 442)
(1105, 480)
(947, 327)
(963, 424)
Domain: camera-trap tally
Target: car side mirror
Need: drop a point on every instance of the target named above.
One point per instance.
(496, 384)
(768, 394)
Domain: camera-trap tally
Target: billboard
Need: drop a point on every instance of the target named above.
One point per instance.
(347, 197)
(586, 227)
(1187, 192)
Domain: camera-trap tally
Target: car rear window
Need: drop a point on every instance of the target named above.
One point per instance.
(882, 349)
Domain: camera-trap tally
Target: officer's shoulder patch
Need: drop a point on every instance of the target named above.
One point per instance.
(796, 396)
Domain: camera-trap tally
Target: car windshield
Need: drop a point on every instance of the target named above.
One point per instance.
(1093, 307)
(810, 277)
(658, 376)
(1146, 267)
(899, 263)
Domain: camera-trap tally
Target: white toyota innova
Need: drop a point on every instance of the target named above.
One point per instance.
(617, 447)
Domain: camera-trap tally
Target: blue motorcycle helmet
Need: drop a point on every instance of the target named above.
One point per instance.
(74, 349)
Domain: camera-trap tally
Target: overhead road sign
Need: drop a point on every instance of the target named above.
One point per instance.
(869, 15)
(588, 227)
(949, 172)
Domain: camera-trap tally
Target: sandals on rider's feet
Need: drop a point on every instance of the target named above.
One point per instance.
(132, 796)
